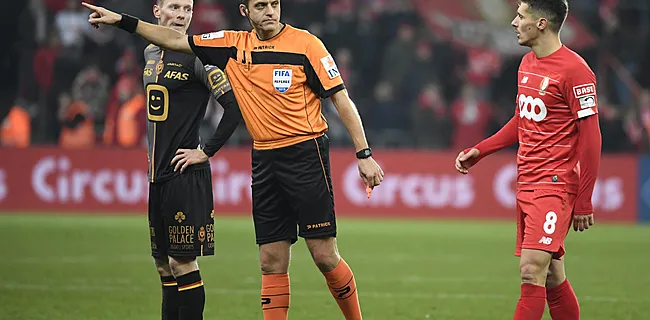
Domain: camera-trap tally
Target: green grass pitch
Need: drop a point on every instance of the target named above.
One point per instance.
(79, 267)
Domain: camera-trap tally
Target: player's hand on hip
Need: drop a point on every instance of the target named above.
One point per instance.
(101, 15)
(187, 157)
(582, 222)
(464, 161)
(370, 172)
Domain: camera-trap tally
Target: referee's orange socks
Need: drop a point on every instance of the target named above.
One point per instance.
(344, 289)
(275, 296)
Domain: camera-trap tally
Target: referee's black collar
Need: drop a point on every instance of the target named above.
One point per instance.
(284, 26)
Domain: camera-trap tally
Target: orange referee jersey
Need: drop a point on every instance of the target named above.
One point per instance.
(278, 82)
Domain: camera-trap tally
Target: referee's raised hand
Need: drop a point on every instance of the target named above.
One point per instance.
(101, 15)
(370, 172)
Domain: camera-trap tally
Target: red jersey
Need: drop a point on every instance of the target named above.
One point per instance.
(554, 92)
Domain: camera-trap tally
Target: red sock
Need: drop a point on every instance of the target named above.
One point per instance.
(275, 296)
(531, 303)
(562, 302)
(344, 289)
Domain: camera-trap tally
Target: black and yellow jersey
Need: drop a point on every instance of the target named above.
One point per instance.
(178, 87)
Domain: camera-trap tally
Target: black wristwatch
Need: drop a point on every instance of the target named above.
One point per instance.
(364, 154)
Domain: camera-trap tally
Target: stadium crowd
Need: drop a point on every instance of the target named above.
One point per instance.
(414, 88)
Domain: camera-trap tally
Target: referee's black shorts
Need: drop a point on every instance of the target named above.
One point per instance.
(181, 215)
(292, 192)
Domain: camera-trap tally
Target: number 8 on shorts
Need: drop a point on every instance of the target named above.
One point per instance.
(549, 224)
(544, 218)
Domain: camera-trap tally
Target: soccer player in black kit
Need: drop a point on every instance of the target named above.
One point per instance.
(181, 216)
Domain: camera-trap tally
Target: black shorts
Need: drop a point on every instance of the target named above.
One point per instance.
(181, 215)
(292, 192)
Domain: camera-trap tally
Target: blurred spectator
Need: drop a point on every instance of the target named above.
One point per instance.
(471, 117)
(131, 123)
(423, 71)
(91, 86)
(103, 49)
(611, 122)
(208, 16)
(630, 23)
(430, 118)
(37, 21)
(125, 123)
(77, 126)
(483, 64)
(44, 63)
(401, 72)
(398, 57)
(366, 48)
(57, 5)
(15, 130)
(637, 124)
(390, 119)
(72, 23)
(343, 58)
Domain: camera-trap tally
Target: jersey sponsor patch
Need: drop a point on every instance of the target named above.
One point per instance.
(330, 67)
(282, 79)
(213, 35)
(584, 90)
(532, 108)
(587, 102)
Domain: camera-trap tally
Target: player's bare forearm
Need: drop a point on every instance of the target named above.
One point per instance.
(164, 37)
(589, 149)
(350, 118)
(507, 136)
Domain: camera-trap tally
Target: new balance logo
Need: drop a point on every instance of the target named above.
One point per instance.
(545, 240)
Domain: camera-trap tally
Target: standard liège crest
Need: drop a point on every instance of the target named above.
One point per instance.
(544, 85)
(201, 234)
(159, 67)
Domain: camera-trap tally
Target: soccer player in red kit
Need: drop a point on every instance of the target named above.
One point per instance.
(556, 125)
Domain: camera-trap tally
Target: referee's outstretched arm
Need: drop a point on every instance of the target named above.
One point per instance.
(163, 37)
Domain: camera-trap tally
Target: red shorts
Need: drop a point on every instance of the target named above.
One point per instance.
(543, 220)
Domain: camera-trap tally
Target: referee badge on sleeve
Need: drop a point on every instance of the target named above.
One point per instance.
(330, 67)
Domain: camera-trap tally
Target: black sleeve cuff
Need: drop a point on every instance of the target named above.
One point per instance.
(332, 91)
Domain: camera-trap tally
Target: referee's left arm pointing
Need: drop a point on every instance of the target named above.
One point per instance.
(369, 170)
(163, 37)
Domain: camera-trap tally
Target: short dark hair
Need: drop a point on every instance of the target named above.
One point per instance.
(244, 2)
(555, 11)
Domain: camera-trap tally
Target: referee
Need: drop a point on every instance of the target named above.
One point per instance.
(279, 75)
